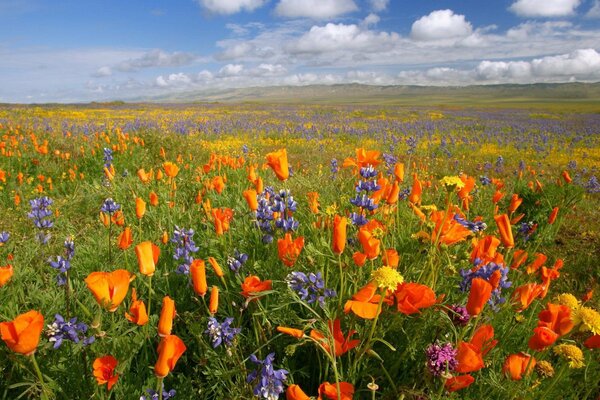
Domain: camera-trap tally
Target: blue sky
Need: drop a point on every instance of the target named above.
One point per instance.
(69, 51)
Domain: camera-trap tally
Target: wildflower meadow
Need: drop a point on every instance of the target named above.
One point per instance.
(297, 252)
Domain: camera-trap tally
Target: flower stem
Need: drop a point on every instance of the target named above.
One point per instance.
(40, 377)
(159, 387)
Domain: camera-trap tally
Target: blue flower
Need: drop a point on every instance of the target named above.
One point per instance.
(269, 381)
(110, 206)
(237, 261)
(310, 288)
(477, 226)
(40, 211)
(61, 330)
(154, 395)
(4, 236)
(184, 239)
(485, 272)
(221, 332)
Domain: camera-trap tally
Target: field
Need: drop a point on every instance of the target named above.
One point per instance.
(285, 251)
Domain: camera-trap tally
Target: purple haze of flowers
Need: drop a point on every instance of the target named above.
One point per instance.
(269, 381)
(477, 226)
(334, 168)
(486, 272)
(237, 261)
(269, 203)
(108, 157)
(441, 358)
(309, 287)
(221, 333)
(154, 395)
(61, 330)
(592, 185)
(4, 236)
(184, 239)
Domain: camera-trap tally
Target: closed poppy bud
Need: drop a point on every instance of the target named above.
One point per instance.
(158, 175)
(458, 382)
(143, 176)
(252, 285)
(339, 234)
(104, 218)
(392, 197)
(198, 273)
(505, 230)
(497, 196)
(278, 161)
(22, 335)
(567, 177)
(125, 239)
(104, 371)
(167, 313)
(329, 391)
(6, 272)
(399, 172)
(297, 333)
(289, 250)
(553, 215)
(359, 258)
(171, 169)
(542, 338)
(251, 198)
(216, 267)
(118, 218)
(258, 185)
(153, 199)
(140, 208)
(415, 193)
(169, 351)
(164, 238)
(313, 202)
(481, 291)
(147, 254)
(519, 259)
(109, 288)
(517, 365)
(137, 310)
(515, 202)
(525, 294)
(294, 392)
(213, 305)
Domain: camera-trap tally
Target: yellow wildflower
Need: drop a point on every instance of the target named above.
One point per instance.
(387, 278)
(571, 353)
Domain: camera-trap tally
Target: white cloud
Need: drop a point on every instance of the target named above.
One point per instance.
(156, 58)
(231, 70)
(315, 9)
(441, 24)
(594, 12)
(230, 6)
(378, 5)
(371, 19)
(179, 79)
(102, 72)
(544, 8)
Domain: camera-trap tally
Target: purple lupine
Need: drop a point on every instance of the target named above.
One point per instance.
(309, 287)
(154, 395)
(236, 261)
(61, 330)
(477, 226)
(109, 206)
(4, 236)
(40, 215)
(221, 333)
(269, 381)
(184, 239)
(441, 359)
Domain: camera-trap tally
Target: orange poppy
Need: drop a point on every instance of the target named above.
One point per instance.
(288, 250)
(216, 267)
(498, 195)
(486, 250)
(340, 225)
(6, 272)
(329, 391)
(537, 263)
(118, 218)
(556, 317)
(140, 207)
(294, 392)
(198, 273)
(297, 333)
(167, 313)
(109, 288)
(566, 177)
(365, 302)
(313, 202)
(169, 350)
(143, 176)
(137, 310)
(213, 304)
(399, 172)
(153, 199)
(464, 192)
(252, 285)
(22, 335)
(370, 244)
(458, 382)
(412, 297)
(147, 254)
(469, 358)
(221, 218)
(483, 339)
(593, 342)
(415, 193)
(125, 238)
(391, 258)
(171, 169)
(505, 230)
(542, 338)
(519, 258)
(342, 343)
(218, 184)
(525, 294)
(447, 230)
(517, 365)
(359, 258)
(278, 161)
(251, 198)
(363, 158)
(104, 371)
(515, 202)
(481, 291)
(553, 215)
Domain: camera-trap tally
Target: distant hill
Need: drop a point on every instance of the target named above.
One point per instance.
(415, 95)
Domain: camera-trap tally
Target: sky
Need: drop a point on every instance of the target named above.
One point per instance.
(83, 50)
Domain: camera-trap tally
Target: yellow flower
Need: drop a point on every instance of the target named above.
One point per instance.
(589, 319)
(572, 353)
(544, 369)
(567, 299)
(452, 182)
(387, 278)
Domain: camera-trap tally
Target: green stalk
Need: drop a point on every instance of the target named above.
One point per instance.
(40, 377)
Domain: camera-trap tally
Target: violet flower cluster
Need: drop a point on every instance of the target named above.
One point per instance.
(441, 358)
(485, 272)
(63, 264)
(476, 226)
(184, 240)
(110, 206)
(269, 381)
(154, 395)
(40, 215)
(362, 200)
(270, 205)
(311, 288)
(108, 157)
(4, 236)
(459, 315)
(61, 330)
(237, 261)
(221, 333)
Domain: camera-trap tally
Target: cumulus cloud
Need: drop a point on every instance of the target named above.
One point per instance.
(231, 6)
(231, 70)
(315, 9)
(594, 12)
(371, 19)
(179, 79)
(102, 72)
(544, 8)
(156, 58)
(441, 24)
(378, 5)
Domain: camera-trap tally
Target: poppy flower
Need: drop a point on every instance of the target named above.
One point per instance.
(169, 351)
(447, 230)
(216, 267)
(517, 365)
(153, 199)
(470, 358)
(118, 218)
(363, 158)
(486, 250)
(137, 310)
(213, 304)
(329, 391)
(505, 230)
(566, 177)
(125, 239)
(342, 343)
(537, 263)
(147, 254)
(313, 202)
(140, 207)
(278, 161)
(481, 291)
(553, 215)
(143, 176)
(104, 218)
(519, 258)
(218, 184)
(370, 244)
(339, 234)
(171, 169)
(415, 193)
(556, 317)
(542, 338)
(104, 371)
(525, 294)
(464, 192)
(593, 342)
(359, 258)
(515, 202)
(6, 272)
(483, 339)
(252, 285)
(294, 392)
(365, 302)
(399, 172)
(412, 297)
(251, 198)
(288, 250)
(458, 382)
(167, 313)
(109, 288)
(297, 333)
(221, 218)
(391, 258)
(22, 335)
